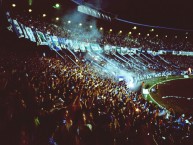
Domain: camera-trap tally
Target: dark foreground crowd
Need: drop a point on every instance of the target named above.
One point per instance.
(52, 101)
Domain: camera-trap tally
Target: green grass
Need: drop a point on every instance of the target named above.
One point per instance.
(152, 82)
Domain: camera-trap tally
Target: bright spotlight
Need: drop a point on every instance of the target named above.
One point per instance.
(30, 10)
(80, 24)
(157, 35)
(147, 34)
(56, 6)
(110, 30)
(90, 26)
(120, 31)
(13, 5)
(44, 15)
(134, 27)
(152, 30)
(186, 37)
(69, 22)
(130, 33)
(166, 36)
(57, 18)
(137, 110)
(176, 36)
(139, 33)
(101, 28)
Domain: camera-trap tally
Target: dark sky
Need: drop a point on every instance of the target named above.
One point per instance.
(168, 13)
(171, 13)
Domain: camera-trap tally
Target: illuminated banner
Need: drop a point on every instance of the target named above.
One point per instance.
(24, 31)
(17, 29)
(93, 12)
(55, 43)
(30, 34)
(107, 49)
(41, 38)
(10, 21)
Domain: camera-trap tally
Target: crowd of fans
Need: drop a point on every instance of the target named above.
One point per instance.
(54, 101)
(72, 31)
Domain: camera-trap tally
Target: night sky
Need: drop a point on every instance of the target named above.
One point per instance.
(168, 13)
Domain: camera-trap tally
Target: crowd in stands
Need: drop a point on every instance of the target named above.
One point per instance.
(54, 101)
(72, 31)
(49, 100)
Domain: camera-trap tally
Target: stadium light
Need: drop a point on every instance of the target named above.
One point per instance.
(157, 35)
(148, 34)
(176, 36)
(152, 30)
(110, 30)
(90, 26)
(101, 28)
(80, 24)
(134, 27)
(120, 31)
(56, 6)
(14, 5)
(186, 37)
(139, 33)
(57, 18)
(44, 15)
(69, 22)
(166, 36)
(130, 33)
(30, 10)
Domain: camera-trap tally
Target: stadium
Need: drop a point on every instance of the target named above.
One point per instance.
(93, 72)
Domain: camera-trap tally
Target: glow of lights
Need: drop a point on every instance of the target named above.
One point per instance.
(139, 33)
(13, 5)
(147, 34)
(134, 27)
(56, 6)
(137, 110)
(69, 22)
(30, 2)
(157, 35)
(166, 36)
(130, 85)
(130, 33)
(44, 15)
(186, 33)
(176, 36)
(152, 30)
(80, 24)
(120, 31)
(90, 26)
(110, 30)
(186, 37)
(30, 10)
(101, 28)
(57, 18)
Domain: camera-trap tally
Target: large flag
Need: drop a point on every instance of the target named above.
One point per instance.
(30, 34)
(49, 41)
(17, 29)
(10, 22)
(24, 31)
(124, 50)
(107, 49)
(95, 47)
(41, 38)
(82, 47)
(55, 43)
(62, 42)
